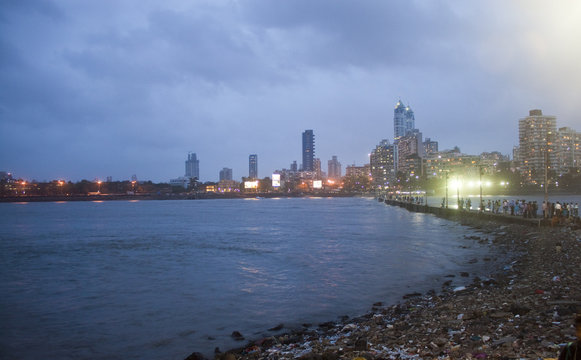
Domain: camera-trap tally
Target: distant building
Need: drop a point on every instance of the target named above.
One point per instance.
(568, 150)
(537, 134)
(403, 120)
(228, 186)
(192, 166)
(334, 168)
(308, 150)
(317, 168)
(253, 166)
(451, 162)
(180, 182)
(225, 174)
(355, 171)
(430, 147)
(382, 165)
(410, 145)
(294, 167)
(5, 175)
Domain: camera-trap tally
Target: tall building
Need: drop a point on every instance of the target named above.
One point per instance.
(253, 166)
(408, 146)
(225, 174)
(308, 150)
(382, 165)
(403, 120)
(334, 168)
(317, 168)
(536, 134)
(192, 166)
(294, 167)
(568, 150)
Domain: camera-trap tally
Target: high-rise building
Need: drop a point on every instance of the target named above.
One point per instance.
(334, 168)
(308, 150)
(225, 174)
(403, 120)
(253, 166)
(536, 134)
(568, 150)
(294, 167)
(410, 145)
(192, 166)
(382, 165)
(317, 168)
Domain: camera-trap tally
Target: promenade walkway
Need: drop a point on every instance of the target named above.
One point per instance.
(452, 213)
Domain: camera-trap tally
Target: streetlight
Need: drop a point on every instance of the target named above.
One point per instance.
(480, 183)
(99, 188)
(446, 189)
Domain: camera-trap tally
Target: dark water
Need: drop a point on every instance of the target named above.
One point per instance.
(161, 279)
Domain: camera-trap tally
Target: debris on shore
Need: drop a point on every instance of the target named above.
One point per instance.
(524, 310)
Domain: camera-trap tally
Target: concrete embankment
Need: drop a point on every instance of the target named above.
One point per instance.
(456, 214)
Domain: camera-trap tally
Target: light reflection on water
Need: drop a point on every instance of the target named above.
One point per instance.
(161, 279)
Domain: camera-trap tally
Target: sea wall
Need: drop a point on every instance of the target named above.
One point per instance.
(456, 214)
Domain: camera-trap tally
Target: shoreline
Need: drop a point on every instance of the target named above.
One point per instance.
(524, 310)
(204, 196)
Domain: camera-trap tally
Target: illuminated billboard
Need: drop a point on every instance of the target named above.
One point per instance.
(275, 180)
(251, 184)
(317, 184)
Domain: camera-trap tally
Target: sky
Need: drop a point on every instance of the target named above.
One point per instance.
(91, 89)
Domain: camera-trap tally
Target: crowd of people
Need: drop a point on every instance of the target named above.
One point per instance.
(527, 209)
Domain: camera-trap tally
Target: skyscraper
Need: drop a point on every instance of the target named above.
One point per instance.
(192, 166)
(253, 166)
(308, 150)
(403, 120)
(536, 135)
(334, 168)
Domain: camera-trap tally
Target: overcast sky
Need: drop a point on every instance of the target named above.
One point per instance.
(90, 89)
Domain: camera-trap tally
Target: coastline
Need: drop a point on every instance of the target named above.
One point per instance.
(524, 310)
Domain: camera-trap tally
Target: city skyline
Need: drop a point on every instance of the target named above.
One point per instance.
(109, 89)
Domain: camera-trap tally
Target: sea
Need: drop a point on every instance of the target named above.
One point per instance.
(162, 279)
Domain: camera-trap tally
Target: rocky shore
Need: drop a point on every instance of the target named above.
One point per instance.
(524, 310)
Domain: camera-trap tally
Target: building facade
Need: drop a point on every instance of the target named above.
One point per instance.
(403, 120)
(253, 166)
(430, 147)
(225, 174)
(410, 145)
(568, 150)
(334, 168)
(537, 133)
(354, 171)
(192, 166)
(308, 150)
(317, 168)
(382, 165)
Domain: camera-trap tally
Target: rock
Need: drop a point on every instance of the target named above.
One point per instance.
(411, 295)
(277, 327)
(236, 335)
(196, 356)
